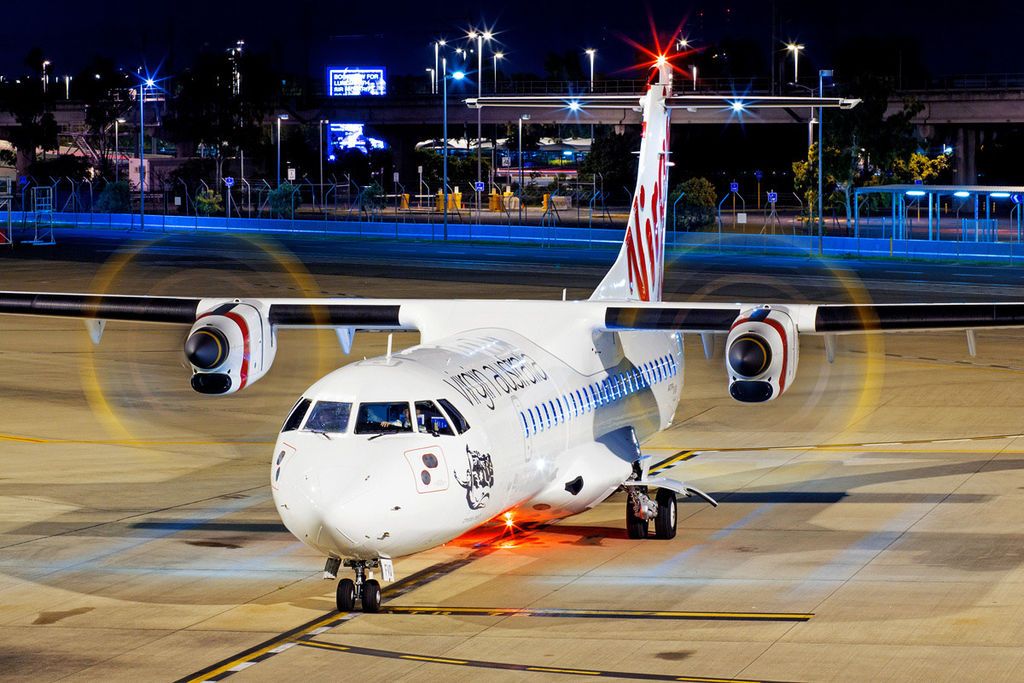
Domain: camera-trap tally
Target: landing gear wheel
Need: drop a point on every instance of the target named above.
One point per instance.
(371, 596)
(346, 595)
(635, 527)
(665, 522)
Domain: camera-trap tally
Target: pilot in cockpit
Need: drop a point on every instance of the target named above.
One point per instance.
(399, 419)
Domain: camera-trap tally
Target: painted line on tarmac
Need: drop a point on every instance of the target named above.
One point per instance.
(505, 666)
(288, 639)
(681, 456)
(128, 442)
(875, 445)
(595, 613)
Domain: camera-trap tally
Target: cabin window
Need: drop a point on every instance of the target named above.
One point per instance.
(526, 427)
(575, 405)
(431, 420)
(328, 416)
(461, 425)
(547, 415)
(383, 418)
(561, 408)
(295, 417)
(533, 421)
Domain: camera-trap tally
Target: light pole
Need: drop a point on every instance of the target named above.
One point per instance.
(497, 56)
(480, 37)
(438, 44)
(522, 117)
(280, 118)
(148, 83)
(67, 87)
(694, 70)
(323, 209)
(591, 52)
(46, 63)
(822, 74)
(458, 76)
(117, 152)
(795, 49)
(433, 80)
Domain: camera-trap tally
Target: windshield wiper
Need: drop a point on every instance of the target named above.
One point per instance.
(323, 434)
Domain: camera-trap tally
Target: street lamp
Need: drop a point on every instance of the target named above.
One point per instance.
(117, 152)
(480, 36)
(795, 49)
(46, 63)
(280, 118)
(522, 117)
(456, 76)
(323, 208)
(694, 70)
(822, 75)
(591, 52)
(497, 56)
(438, 44)
(433, 80)
(147, 83)
(67, 87)
(682, 44)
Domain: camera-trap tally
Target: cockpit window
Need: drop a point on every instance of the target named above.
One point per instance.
(431, 420)
(328, 416)
(460, 422)
(383, 418)
(295, 418)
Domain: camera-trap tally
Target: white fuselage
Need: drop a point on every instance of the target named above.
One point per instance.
(553, 429)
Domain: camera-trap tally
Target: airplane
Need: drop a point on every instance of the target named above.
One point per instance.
(529, 411)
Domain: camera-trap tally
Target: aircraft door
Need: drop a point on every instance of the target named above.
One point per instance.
(523, 425)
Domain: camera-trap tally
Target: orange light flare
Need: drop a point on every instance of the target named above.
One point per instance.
(662, 53)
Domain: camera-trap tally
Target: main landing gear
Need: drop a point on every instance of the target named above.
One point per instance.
(366, 591)
(640, 510)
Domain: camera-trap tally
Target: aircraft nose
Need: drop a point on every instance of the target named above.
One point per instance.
(299, 499)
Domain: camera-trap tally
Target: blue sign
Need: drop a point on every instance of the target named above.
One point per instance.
(773, 197)
(22, 180)
(229, 181)
(1017, 198)
(345, 136)
(734, 187)
(758, 175)
(354, 81)
(918, 181)
(479, 186)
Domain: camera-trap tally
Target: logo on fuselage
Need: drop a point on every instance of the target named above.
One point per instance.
(479, 478)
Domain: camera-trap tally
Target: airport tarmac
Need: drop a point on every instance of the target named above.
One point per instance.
(871, 522)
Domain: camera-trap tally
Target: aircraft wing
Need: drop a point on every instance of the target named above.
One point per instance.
(185, 311)
(820, 318)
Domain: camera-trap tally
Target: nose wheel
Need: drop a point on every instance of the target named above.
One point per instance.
(640, 510)
(365, 591)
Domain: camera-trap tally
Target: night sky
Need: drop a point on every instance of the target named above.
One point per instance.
(305, 35)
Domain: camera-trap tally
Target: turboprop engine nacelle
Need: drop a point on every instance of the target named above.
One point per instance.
(230, 346)
(761, 355)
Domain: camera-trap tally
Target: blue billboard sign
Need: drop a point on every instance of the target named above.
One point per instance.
(355, 81)
(347, 136)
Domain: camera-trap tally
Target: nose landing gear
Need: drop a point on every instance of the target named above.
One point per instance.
(366, 591)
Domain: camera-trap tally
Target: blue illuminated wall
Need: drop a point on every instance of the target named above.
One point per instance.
(356, 81)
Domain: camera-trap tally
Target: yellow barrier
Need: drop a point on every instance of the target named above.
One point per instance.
(405, 201)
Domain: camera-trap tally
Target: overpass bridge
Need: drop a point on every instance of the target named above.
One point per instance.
(964, 111)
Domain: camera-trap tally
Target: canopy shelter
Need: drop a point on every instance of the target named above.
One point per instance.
(962, 212)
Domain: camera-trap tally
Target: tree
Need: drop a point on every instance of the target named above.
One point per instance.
(613, 162)
(865, 146)
(105, 93)
(696, 206)
(30, 106)
(208, 110)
